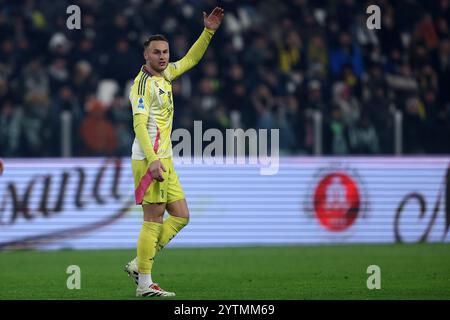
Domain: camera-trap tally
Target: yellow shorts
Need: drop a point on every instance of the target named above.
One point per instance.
(148, 190)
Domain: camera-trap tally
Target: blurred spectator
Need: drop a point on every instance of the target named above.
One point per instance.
(317, 58)
(442, 66)
(8, 58)
(346, 53)
(259, 53)
(35, 78)
(86, 51)
(97, 132)
(346, 103)
(363, 137)
(403, 84)
(123, 121)
(59, 45)
(336, 134)
(437, 123)
(38, 126)
(205, 103)
(263, 102)
(84, 81)
(10, 130)
(236, 95)
(291, 124)
(427, 32)
(290, 52)
(123, 63)
(315, 97)
(373, 81)
(58, 74)
(66, 101)
(222, 120)
(414, 127)
(379, 113)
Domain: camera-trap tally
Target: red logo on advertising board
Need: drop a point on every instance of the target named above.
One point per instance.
(337, 201)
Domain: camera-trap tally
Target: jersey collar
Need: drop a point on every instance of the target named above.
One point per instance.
(144, 70)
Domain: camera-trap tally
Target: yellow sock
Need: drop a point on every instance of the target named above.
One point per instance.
(171, 226)
(146, 247)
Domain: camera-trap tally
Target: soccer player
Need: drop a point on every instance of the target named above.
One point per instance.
(157, 187)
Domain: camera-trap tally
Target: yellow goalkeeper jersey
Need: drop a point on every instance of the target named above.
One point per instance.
(152, 96)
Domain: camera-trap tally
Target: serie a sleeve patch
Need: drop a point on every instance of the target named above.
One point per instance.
(140, 103)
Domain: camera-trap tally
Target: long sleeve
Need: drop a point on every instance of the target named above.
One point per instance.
(192, 57)
(140, 129)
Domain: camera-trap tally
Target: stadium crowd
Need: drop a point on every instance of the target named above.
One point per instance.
(271, 66)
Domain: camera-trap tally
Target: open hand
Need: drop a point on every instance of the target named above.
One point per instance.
(214, 19)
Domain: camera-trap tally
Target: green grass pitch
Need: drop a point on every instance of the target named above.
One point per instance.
(419, 271)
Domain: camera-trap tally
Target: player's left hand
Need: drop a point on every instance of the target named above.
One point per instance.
(214, 19)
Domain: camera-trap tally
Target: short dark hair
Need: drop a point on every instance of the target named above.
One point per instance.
(156, 37)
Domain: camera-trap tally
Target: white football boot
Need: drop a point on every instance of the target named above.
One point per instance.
(132, 269)
(153, 290)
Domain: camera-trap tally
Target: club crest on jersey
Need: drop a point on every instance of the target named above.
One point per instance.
(141, 104)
